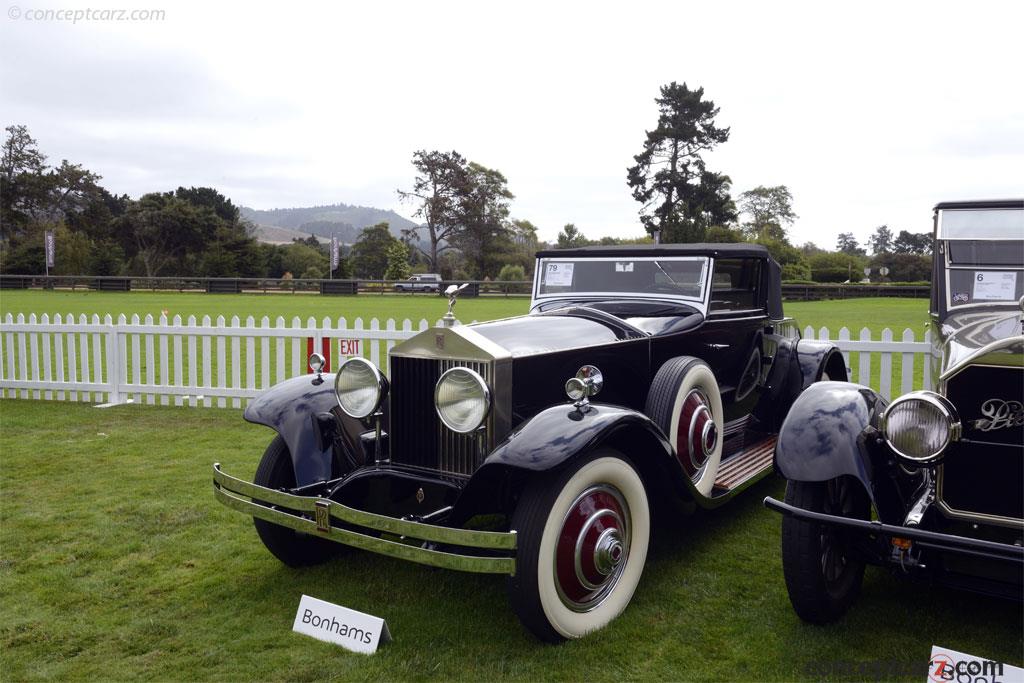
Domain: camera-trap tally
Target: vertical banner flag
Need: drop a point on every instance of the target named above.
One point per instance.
(334, 252)
(51, 246)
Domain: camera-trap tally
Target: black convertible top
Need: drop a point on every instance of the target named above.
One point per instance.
(982, 204)
(738, 249)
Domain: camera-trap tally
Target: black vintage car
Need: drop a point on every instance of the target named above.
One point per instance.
(644, 379)
(930, 485)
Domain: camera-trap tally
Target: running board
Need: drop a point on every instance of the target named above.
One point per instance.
(746, 465)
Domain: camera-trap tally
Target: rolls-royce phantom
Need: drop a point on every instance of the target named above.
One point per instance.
(644, 380)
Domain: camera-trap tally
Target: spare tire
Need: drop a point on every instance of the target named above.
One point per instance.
(685, 402)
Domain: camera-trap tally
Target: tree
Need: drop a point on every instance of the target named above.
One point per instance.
(904, 267)
(159, 230)
(24, 187)
(846, 243)
(398, 262)
(571, 237)
(483, 213)
(439, 189)
(881, 241)
(770, 209)
(831, 266)
(720, 233)
(913, 243)
(370, 252)
(679, 196)
(299, 259)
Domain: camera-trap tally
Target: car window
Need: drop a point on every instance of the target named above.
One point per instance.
(736, 285)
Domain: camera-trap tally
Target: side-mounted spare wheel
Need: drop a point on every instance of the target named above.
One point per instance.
(582, 544)
(294, 548)
(685, 402)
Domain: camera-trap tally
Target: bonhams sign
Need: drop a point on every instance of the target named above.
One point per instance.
(335, 624)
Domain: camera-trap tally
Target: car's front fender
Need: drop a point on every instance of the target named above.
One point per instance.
(302, 411)
(831, 431)
(561, 433)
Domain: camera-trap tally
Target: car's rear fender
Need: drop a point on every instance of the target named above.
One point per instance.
(558, 435)
(832, 431)
(303, 410)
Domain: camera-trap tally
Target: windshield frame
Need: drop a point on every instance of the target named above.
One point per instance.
(700, 301)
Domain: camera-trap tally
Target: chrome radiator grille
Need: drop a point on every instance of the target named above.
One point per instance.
(417, 435)
(980, 477)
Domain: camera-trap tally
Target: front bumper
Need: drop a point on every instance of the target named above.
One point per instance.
(932, 540)
(313, 515)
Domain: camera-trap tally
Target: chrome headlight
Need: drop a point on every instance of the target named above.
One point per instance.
(919, 425)
(360, 387)
(462, 399)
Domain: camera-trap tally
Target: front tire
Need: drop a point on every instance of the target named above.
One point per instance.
(582, 544)
(294, 548)
(823, 571)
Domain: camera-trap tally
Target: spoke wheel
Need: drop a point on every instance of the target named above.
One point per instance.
(823, 570)
(582, 544)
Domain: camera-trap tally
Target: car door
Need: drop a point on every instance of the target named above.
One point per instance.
(733, 334)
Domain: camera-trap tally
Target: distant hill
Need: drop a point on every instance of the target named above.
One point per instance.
(281, 225)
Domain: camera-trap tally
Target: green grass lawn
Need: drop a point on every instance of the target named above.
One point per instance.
(116, 563)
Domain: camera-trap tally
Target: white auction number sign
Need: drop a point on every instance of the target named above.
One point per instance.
(332, 623)
(958, 667)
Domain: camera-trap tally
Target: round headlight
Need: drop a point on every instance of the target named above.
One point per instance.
(360, 387)
(919, 425)
(462, 399)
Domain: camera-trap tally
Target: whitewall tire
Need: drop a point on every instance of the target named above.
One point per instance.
(582, 544)
(684, 400)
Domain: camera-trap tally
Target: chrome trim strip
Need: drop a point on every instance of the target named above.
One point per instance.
(973, 516)
(1000, 347)
(225, 485)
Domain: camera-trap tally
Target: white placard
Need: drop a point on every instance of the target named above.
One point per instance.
(949, 665)
(623, 266)
(993, 285)
(558, 274)
(340, 625)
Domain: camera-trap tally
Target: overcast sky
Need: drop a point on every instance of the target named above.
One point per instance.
(869, 112)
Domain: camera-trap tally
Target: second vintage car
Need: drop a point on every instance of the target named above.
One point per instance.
(931, 485)
(644, 380)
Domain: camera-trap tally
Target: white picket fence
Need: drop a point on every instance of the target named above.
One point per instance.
(163, 361)
(906, 352)
(226, 363)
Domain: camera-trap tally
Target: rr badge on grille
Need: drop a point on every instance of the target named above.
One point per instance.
(323, 516)
(439, 340)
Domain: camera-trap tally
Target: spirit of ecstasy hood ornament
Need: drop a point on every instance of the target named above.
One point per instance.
(452, 292)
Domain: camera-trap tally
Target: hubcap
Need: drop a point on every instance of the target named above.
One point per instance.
(697, 435)
(592, 549)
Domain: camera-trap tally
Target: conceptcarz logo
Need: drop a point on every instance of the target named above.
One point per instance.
(944, 667)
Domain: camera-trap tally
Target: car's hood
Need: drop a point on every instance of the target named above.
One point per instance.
(965, 334)
(534, 334)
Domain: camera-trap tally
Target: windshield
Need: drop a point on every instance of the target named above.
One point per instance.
(981, 224)
(674, 277)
